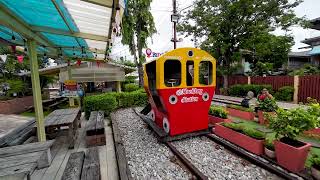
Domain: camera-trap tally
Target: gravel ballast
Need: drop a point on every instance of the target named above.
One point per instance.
(147, 159)
(216, 162)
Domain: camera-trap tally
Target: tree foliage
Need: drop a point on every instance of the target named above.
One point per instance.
(227, 26)
(137, 26)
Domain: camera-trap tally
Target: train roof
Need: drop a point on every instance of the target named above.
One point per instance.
(183, 52)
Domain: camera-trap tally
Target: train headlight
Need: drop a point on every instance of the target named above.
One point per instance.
(166, 125)
(173, 99)
(190, 53)
(205, 96)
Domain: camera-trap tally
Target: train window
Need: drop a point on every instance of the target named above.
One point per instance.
(172, 73)
(190, 73)
(205, 73)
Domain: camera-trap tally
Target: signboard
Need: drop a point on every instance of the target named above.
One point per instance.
(149, 53)
(70, 89)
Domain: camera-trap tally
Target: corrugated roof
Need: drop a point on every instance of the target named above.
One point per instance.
(74, 26)
(299, 54)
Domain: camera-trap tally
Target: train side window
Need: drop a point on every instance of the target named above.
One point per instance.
(205, 72)
(190, 73)
(172, 73)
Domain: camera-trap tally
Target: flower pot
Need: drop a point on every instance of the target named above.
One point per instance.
(250, 144)
(262, 118)
(269, 153)
(315, 173)
(241, 114)
(213, 120)
(291, 157)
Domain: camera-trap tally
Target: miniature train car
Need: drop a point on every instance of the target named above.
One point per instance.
(180, 85)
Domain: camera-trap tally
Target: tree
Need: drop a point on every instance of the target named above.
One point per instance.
(227, 26)
(269, 48)
(137, 26)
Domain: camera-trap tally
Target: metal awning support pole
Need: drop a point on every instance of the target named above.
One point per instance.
(37, 99)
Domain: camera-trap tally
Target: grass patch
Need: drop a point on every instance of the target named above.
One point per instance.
(32, 114)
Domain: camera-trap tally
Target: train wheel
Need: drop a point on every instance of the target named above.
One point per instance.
(166, 125)
(152, 115)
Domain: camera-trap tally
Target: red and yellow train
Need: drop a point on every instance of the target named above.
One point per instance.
(180, 85)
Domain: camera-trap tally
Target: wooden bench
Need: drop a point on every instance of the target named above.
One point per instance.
(17, 162)
(83, 166)
(95, 134)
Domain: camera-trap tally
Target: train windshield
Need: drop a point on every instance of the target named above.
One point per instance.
(172, 73)
(205, 73)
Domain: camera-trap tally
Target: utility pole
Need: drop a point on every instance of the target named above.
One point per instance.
(174, 19)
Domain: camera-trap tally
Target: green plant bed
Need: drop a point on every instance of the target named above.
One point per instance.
(241, 108)
(218, 111)
(241, 90)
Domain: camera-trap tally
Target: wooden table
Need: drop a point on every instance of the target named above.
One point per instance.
(64, 118)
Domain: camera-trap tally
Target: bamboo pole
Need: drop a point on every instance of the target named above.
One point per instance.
(37, 99)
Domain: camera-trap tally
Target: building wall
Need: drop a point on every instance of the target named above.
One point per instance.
(15, 106)
(315, 60)
(297, 62)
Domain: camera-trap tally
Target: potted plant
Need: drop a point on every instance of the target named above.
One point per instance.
(266, 106)
(247, 138)
(315, 166)
(241, 112)
(218, 114)
(288, 124)
(269, 149)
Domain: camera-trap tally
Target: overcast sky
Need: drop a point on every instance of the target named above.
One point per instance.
(162, 9)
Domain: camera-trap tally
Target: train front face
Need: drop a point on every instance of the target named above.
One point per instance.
(185, 84)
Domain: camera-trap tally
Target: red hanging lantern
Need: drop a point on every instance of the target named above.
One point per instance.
(98, 63)
(20, 58)
(13, 48)
(78, 62)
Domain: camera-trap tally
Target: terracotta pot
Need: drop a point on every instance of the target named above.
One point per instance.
(290, 157)
(262, 119)
(250, 144)
(271, 154)
(213, 120)
(241, 114)
(315, 173)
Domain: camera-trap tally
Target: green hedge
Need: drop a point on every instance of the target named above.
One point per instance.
(241, 90)
(130, 87)
(108, 102)
(285, 93)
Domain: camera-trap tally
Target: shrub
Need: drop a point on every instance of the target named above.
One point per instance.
(241, 90)
(218, 111)
(291, 123)
(104, 102)
(269, 145)
(130, 87)
(285, 93)
(315, 161)
(268, 105)
(241, 108)
(254, 133)
(111, 101)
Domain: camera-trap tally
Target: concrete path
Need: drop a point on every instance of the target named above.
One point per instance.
(10, 122)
